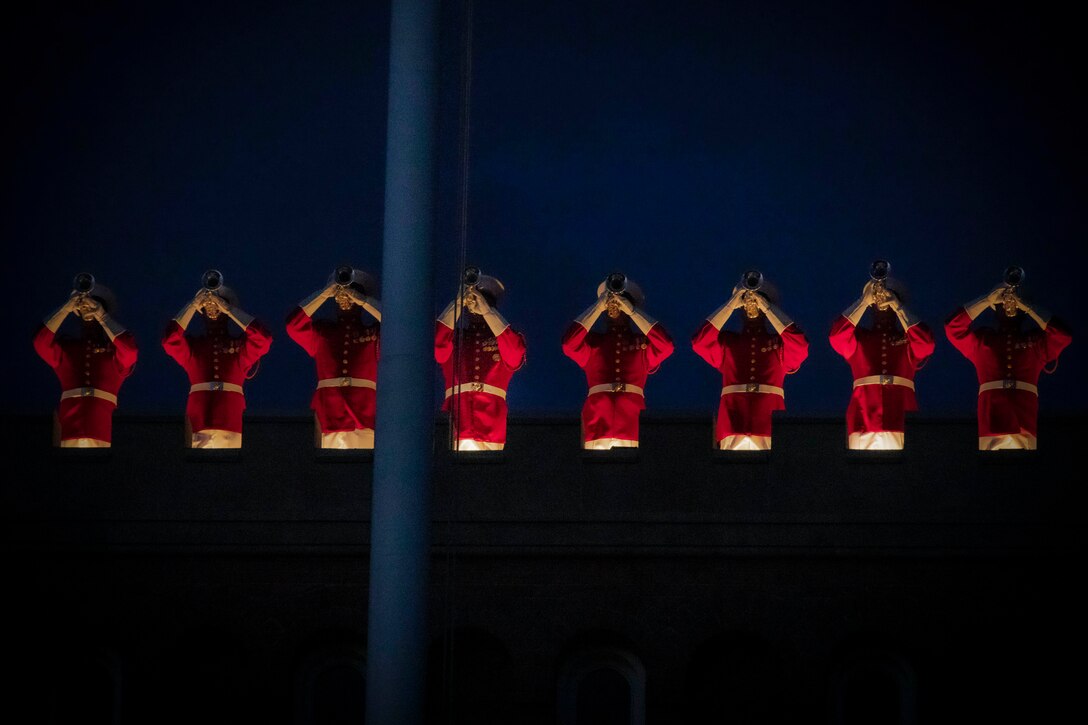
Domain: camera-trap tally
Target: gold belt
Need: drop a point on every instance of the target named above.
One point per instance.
(215, 386)
(616, 388)
(754, 388)
(884, 380)
(89, 393)
(1008, 384)
(475, 387)
(347, 382)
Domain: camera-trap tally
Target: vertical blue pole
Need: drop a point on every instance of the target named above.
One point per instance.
(400, 507)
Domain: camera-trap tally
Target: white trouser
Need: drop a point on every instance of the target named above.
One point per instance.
(603, 444)
(348, 439)
(471, 444)
(745, 443)
(1010, 442)
(884, 440)
(215, 438)
(83, 443)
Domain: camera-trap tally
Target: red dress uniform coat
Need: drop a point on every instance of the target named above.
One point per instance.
(216, 359)
(999, 356)
(341, 350)
(617, 358)
(86, 364)
(746, 358)
(485, 360)
(873, 352)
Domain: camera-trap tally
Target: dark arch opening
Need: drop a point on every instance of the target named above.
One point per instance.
(736, 679)
(470, 678)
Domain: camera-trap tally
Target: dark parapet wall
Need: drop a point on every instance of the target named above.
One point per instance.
(780, 586)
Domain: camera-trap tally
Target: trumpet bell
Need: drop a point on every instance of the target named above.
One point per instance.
(752, 280)
(212, 280)
(83, 283)
(879, 269)
(616, 283)
(344, 275)
(1013, 276)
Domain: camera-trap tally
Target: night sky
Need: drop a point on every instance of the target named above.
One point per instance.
(680, 142)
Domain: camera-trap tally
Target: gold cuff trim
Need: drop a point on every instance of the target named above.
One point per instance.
(216, 386)
(754, 388)
(347, 382)
(616, 388)
(1008, 384)
(884, 380)
(89, 393)
(475, 387)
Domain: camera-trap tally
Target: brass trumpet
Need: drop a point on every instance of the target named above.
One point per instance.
(471, 277)
(211, 282)
(614, 284)
(878, 273)
(751, 281)
(1012, 278)
(82, 286)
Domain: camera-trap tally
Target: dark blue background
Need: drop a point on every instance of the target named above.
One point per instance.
(680, 142)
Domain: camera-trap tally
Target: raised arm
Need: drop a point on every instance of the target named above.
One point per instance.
(658, 346)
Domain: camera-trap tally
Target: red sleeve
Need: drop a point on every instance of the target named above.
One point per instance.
(843, 337)
(659, 346)
(125, 353)
(176, 344)
(574, 344)
(45, 344)
(958, 331)
(1056, 339)
(443, 342)
(258, 341)
(794, 347)
(512, 347)
(922, 345)
(706, 345)
(300, 328)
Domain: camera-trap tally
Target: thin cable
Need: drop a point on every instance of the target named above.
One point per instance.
(464, 162)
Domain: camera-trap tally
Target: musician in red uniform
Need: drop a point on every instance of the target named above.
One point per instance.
(217, 363)
(616, 362)
(345, 352)
(1008, 361)
(479, 352)
(90, 367)
(753, 362)
(883, 359)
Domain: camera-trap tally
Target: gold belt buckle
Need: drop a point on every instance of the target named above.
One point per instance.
(618, 387)
(477, 386)
(752, 388)
(86, 392)
(886, 379)
(345, 381)
(1008, 384)
(217, 385)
